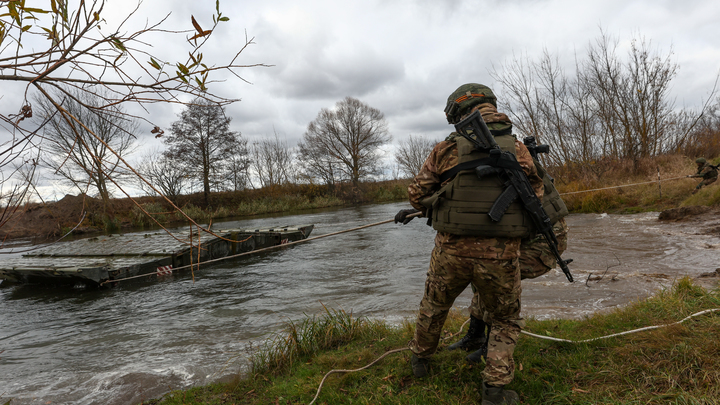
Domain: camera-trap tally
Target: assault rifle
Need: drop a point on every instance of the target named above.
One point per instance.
(534, 148)
(505, 165)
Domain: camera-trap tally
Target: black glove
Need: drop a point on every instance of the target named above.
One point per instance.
(402, 216)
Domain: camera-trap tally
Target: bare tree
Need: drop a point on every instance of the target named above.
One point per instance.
(317, 164)
(547, 104)
(14, 193)
(631, 97)
(202, 143)
(237, 168)
(272, 162)
(611, 108)
(350, 136)
(82, 154)
(74, 45)
(411, 154)
(164, 173)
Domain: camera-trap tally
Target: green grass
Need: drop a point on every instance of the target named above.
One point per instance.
(671, 365)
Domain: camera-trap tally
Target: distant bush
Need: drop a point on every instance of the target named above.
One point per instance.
(140, 219)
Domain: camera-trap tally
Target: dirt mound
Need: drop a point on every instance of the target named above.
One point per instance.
(684, 213)
(51, 219)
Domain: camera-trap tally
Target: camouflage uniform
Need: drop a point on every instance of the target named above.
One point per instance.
(491, 264)
(536, 259)
(708, 173)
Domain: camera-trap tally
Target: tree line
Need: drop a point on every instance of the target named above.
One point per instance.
(341, 145)
(87, 76)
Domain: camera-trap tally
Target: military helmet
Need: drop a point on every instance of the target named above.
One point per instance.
(700, 161)
(465, 97)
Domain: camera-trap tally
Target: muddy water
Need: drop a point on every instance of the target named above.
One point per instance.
(137, 341)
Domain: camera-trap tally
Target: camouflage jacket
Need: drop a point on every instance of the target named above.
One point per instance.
(706, 172)
(444, 157)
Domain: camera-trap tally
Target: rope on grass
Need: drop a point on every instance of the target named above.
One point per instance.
(357, 369)
(707, 311)
(624, 185)
(402, 349)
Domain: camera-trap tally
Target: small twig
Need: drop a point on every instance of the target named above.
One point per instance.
(606, 270)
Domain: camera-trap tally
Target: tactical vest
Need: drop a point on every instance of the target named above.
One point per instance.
(461, 207)
(712, 174)
(553, 205)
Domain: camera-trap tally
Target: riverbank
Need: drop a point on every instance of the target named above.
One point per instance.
(84, 215)
(674, 364)
(656, 184)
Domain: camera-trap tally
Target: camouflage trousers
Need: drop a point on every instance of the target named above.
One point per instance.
(498, 282)
(706, 182)
(536, 259)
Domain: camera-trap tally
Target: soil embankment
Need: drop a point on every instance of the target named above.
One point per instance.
(707, 219)
(48, 220)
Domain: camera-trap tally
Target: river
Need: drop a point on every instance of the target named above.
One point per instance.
(141, 339)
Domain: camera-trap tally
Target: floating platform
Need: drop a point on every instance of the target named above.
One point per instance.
(109, 259)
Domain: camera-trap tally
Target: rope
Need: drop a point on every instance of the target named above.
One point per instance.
(197, 265)
(340, 232)
(524, 332)
(376, 360)
(624, 185)
(357, 369)
(621, 333)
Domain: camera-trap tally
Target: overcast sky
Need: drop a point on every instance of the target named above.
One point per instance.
(404, 57)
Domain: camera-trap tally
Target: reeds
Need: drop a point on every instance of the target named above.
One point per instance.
(140, 219)
(309, 337)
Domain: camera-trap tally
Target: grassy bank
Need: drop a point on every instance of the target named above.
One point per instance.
(676, 364)
(631, 187)
(613, 187)
(278, 199)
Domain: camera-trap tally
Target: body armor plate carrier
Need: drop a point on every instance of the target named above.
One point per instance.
(461, 206)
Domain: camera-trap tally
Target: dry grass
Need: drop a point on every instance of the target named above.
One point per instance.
(632, 197)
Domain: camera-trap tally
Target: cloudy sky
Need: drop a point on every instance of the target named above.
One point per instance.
(404, 57)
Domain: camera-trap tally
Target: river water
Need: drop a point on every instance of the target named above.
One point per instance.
(141, 339)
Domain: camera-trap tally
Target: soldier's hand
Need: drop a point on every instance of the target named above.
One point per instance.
(403, 216)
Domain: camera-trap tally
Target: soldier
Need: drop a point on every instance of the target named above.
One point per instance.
(536, 259)
(705, 170)
(469, 247)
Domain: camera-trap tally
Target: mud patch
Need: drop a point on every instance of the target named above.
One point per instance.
(683, 213)
(714, 274)
(704, 220)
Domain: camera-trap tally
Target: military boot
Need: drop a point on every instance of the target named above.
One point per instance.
(419, 366)
(498, 396)
(480, 354)
(475, 337)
